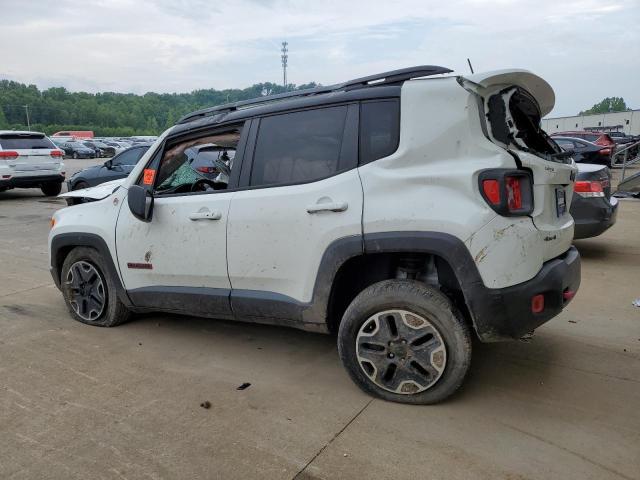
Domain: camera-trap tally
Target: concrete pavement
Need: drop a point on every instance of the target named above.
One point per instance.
(85, 402)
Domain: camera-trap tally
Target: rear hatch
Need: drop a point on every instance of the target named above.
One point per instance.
(514, 102)
(29, 153)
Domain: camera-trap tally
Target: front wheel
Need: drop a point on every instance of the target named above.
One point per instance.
(89, 293)
(404, 341)
(80, 185)
(51, 189)
(75, 155)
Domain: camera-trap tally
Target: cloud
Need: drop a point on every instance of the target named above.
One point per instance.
(181, 45)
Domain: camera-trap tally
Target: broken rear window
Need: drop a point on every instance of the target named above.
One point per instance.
(514, 118)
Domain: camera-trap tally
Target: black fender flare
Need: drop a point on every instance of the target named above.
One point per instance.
(63, 241)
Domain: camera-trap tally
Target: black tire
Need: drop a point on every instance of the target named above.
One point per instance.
(80, 185)
(113, 311)
(51, 189)
(420, 302)
(75, 155)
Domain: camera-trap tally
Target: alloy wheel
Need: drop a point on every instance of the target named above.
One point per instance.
(400, 351)
(86, 290)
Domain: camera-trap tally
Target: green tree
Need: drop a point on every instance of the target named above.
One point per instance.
(608, 105)
(114, 114)
(3, 120)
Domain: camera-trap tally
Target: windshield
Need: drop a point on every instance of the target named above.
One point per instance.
(25, 141)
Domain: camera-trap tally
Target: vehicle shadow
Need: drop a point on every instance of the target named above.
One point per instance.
(512, 366)
(22, 194)
(592, 248)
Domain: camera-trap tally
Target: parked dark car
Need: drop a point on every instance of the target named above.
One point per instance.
(77, 150)
(118, 167)
(623, 141)
(621, 137)
(593, 208)
(584, 151)
(101, 149)
(599, 138)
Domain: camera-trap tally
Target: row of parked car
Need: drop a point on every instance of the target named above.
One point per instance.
(595, 147)
(95, 147)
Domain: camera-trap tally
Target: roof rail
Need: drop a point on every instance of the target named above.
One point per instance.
(385, 78)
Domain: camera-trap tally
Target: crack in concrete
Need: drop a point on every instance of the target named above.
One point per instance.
(324, 447)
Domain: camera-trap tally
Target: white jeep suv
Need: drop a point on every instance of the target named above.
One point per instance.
(30, 160)
(404, 212)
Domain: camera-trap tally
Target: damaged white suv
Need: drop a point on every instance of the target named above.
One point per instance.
(404, 211)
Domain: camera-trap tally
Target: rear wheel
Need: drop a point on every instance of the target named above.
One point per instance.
(404, 341)
(51, 189)
(75, 155)
(89, 293)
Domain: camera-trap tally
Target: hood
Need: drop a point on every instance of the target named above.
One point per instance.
(536, 86)
(88, 169)
(95, 193)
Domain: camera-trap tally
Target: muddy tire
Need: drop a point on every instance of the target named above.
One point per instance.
(51, 189)
(404, 341)
(89, 292)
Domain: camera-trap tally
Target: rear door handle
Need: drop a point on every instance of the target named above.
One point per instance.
(327, 207)
(206, 215)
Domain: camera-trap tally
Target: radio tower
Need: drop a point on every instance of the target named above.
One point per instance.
(284, 57)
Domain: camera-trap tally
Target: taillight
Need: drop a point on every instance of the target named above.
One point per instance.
(588, 189)
(8, 155)
(491, 189)
(508, 192)
(206, 169)
(514, 193)
(56, 153)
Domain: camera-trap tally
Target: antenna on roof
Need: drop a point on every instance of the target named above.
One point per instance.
(470, 66)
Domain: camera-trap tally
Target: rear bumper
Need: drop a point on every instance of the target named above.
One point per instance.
(34, 181)
(505, 313)
(593, 216)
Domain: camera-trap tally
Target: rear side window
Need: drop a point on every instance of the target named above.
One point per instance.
(298, 147)
(379, 129)
(19, 141)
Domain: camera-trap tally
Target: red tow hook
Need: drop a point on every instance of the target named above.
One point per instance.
(568, 295)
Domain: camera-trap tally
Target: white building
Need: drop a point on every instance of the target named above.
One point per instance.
(627, 122)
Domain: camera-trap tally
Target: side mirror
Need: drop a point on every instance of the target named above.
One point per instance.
(140, 202)
(108, 164)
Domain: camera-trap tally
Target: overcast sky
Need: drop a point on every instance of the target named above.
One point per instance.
(586, 49)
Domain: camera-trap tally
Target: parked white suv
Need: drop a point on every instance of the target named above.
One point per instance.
(402, 211)
(30, 160)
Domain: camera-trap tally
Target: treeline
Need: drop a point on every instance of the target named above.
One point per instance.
(112, 114)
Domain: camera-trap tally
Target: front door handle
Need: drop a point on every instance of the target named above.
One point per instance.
(327, 207)
(205, 215)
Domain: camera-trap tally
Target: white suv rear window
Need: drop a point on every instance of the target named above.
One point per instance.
(25, 142)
